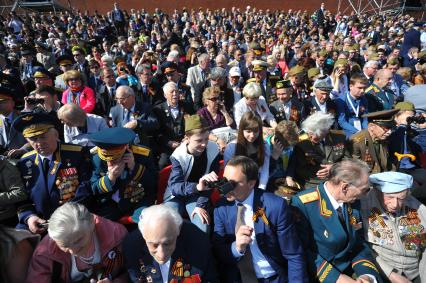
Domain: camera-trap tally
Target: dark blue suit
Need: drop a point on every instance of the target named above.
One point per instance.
(192, 250)
(67, 164)
(330, 249)
(278, 241)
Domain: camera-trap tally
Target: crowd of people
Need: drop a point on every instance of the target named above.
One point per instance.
(292, 144)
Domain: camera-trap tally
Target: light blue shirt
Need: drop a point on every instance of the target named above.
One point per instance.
(261, 265)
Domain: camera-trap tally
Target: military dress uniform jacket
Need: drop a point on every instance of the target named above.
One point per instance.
(276, 238)
(67, 180)
(308, 156)
(297, 112)
(134, 189)
(378, 99)
(311, 106)
(330, 249)
(191, 260)
(171, 129)
(398, 242)
(374, 154)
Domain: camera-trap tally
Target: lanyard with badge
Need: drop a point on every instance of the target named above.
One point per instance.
(357, 121)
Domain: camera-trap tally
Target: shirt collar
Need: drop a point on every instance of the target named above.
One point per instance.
(333, 201)
(48, 157)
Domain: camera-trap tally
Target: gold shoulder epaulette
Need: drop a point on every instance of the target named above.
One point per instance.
(303, 137)
(141, 150)
(371, 87)
(358, 137)
(32, 152)
(71, 147)
(309, 197)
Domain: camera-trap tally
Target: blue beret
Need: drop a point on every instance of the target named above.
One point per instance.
(391, 182)
(112, 137)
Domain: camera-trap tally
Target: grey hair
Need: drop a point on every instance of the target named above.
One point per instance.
(173, 54)
(156, 212)
(349, 171)
(318, 123)
(252, 90)
(217, 73)
(168, 85)
(142, 67)
(126, 89)
(203, 56)
(371, 63)
(68, 221)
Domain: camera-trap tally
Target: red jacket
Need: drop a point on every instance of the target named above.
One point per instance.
(110, 236)
(87, 99)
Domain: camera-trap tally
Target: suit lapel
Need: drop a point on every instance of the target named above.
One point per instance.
(54, 167)
(259, 224)
(329, 215)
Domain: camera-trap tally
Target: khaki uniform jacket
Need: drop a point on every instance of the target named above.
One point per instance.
(363, 148)
(398, 243)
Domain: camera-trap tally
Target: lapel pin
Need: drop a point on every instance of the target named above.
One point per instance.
(153, 270)
(325, 233)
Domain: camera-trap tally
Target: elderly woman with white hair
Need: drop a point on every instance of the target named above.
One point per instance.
(80, 246)
(165, 242)
(78, 125)
(318, 149)
(255, 102)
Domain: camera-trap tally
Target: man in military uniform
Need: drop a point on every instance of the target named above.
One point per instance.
(370, 144)
(377, 94)
(53, 173)
(321, 100)
(329, 223)
(266, 82)
(171, 114)
(124, 178)
(318, 149)
(66, 63)
(297, 78)
(286, 107)
(394, 224)
(170, 70)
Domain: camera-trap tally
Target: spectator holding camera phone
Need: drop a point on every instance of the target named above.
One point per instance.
(194, 161)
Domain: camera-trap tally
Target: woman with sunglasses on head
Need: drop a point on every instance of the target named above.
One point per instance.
(77, 92)
(250, 143)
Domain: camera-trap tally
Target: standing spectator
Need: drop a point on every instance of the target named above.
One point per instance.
(118, 20)
(77, 92)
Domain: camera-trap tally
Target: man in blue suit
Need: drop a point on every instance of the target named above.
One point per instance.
(254, 235)
(352, 106)
(329, 222)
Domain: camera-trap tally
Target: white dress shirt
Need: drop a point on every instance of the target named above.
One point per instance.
(261, 266)
(323, 107)
(164, 268)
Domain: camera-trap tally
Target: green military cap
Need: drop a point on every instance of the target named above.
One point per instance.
(312, 72)
(383, 118)
(341, 62)
(323, 53)
(77, 48)
(351, 48)
(422, 54)
(374, 57)
(259, 65)
(405, 106)
(257, 48)
(392, 61)
(195, 122)
(283, 84)
(356, 46)
(296, 70)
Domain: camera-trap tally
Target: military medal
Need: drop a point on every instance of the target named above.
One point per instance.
(153, 270)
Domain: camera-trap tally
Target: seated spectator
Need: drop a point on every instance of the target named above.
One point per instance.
(318, 149)
(420, 78)
(193, 162)
(250, 143)
(281, 164)
(339, 78)
(77, 92)
(217, 78)
(94, 81)
(124, 77)
(252, 101)
(394, 224)
(379, 96)
(328, 220)
(79, 246)
(16, 249)
(79, 125)
(105, 97)
(235, 82)
(124, 176)
(164, 240)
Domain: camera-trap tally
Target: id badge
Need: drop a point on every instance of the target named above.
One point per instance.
(357, 124)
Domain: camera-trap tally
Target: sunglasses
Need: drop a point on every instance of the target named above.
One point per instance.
(214, 99)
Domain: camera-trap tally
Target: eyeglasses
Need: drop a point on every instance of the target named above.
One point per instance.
(214, 99)
(122, 98)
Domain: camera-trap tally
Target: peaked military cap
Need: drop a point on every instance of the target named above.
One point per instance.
(34, 124)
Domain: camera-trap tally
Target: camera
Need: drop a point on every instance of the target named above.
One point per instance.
(35, 101)
(416, 119)
(223, 185)
(44, 225)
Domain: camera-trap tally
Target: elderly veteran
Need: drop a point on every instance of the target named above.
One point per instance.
(53, 173)
(328, 220)
(266, 82)
(297, 77)
(168, 249)
(287, 107)
(394, 226)
(370, 144)
(79, 247)
(318, 149)
(253, 101)
(321, 100)
(124, 178)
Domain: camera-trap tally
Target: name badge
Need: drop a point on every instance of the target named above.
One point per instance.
(357, 124)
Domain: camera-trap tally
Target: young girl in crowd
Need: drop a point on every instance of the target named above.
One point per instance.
(195, 161)
(250, 143)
